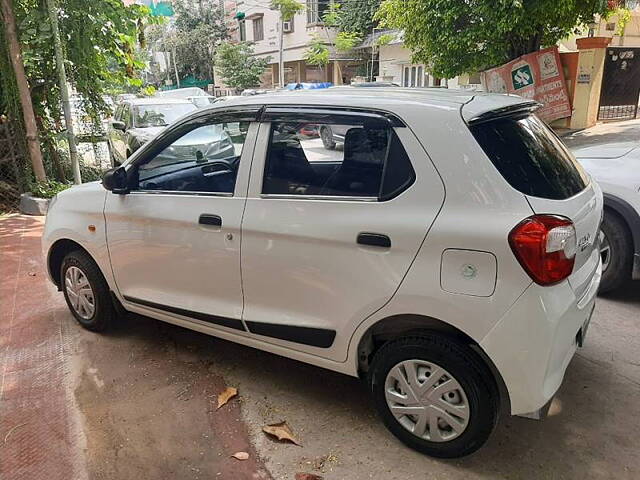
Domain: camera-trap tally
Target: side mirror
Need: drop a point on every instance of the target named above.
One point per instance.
(115, 180)
(118, 125)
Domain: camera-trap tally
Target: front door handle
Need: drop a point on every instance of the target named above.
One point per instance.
(208, 219)
(374, 240)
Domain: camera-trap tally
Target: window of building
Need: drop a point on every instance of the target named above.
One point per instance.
(258, 29)
(205, 159)
(243, 31)
(316, 10)
(611, 26)
(333, 160)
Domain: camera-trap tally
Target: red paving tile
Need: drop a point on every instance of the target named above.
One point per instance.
(37, 438)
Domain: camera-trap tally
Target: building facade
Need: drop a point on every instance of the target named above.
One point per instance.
(260, 27)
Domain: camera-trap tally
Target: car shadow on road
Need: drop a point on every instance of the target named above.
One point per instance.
(585, 436)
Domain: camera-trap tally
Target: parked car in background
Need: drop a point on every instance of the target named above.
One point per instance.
(202, 101)
(136, 121)
(125, 96)
(616, 167)
(182, 93)
(452, 307)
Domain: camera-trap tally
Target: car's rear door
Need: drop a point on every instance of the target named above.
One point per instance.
(174, 240)
(322, 251)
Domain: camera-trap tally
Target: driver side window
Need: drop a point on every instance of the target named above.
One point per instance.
(204, 160)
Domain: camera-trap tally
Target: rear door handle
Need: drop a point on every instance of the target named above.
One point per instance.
(208, 219)
(374, 240)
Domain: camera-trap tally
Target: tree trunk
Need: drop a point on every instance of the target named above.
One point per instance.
(33, 144)
(64, 92)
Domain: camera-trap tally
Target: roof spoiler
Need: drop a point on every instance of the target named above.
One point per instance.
(509, 110)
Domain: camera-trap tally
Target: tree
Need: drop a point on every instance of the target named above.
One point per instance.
(98, 41)
(237, 65)
(193, 37)
(22, 84)
(287, 10)
(355, 16)
(454, 37)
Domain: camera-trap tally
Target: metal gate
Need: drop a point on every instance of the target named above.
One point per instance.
(620, 84)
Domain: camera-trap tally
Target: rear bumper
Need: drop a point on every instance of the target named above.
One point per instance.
(534, 342)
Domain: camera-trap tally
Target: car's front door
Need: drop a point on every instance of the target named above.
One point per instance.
(174, 240)
(322, 248)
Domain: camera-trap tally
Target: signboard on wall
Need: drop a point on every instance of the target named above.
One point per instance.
(537, 76)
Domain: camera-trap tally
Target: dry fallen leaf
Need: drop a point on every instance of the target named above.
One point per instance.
(307, 476)
(227, 395)
(281, 431)
(241, 455)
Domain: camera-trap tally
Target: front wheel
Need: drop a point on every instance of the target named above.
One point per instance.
(86, 291)
(434, 394)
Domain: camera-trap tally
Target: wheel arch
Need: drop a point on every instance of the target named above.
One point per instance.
(632, 220)
(57, 252)
(397, 326)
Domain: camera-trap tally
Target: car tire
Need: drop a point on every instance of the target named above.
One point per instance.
(326, 135)
(617, 244)
(86, 291)
(473, 391)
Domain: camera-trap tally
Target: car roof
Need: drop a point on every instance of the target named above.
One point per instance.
(157, 101)
(470, 104)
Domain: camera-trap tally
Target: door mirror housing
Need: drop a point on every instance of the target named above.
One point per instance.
(118, 125)
(115, 180)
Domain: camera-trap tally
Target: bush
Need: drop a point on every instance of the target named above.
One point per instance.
(48, 189)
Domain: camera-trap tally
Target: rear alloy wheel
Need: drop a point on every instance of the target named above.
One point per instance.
(326, 135)
(434, 394)
(616, 251)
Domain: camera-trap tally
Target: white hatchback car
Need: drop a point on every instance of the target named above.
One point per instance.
(447, 253)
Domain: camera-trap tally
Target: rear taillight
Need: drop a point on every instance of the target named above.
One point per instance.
(545, 246)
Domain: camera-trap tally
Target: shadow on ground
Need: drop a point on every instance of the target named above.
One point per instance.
(586, 436)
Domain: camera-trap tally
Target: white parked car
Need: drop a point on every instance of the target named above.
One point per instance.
(447, 254)
(616, 167)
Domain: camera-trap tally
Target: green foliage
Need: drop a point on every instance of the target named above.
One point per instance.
(352, 15)
(237, 66)
(460, 36)
(623, 17)
(193, 37)
(48, 189)
(384, 39)
(286, 8)
(317, 52)
(345, 41)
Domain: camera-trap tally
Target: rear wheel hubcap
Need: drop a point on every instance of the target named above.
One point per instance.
(79, 292)
(427, 400)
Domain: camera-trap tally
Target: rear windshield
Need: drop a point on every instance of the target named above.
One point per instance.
(530, 157)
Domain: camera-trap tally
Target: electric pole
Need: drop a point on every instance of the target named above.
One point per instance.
(64, 91)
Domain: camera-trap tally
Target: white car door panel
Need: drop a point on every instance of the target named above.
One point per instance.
(179, 251)
(313, 268)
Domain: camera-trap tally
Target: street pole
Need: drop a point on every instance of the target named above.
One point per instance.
(281, 61)
(175, 67)
(64, 91)
(31, 129)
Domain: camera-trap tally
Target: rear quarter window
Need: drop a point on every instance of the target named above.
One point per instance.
(530, 156)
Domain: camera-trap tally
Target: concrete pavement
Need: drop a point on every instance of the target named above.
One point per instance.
(137, 402)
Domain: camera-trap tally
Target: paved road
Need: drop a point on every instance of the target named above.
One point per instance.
(137, 402)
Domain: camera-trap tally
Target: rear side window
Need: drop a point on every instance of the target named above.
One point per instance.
(334, 160)
(530, 157)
